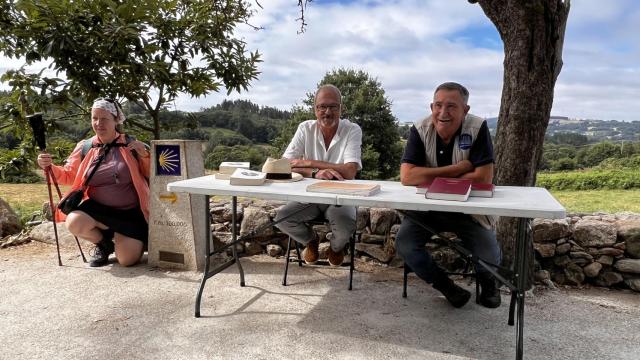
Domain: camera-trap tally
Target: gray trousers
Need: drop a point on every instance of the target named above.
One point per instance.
(342, 220)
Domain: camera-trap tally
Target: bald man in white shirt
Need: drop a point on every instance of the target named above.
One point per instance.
(327, 148)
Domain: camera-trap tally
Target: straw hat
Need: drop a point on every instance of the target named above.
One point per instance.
(279, 170)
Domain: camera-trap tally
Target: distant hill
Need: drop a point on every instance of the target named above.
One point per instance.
(595, 130)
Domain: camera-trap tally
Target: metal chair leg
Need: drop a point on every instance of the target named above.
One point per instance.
(477, 289)
(407, 270)
(352, 250)
(286, 264)
(512, 308)
(298, 253)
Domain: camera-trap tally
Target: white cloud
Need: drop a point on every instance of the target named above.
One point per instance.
(411, 46)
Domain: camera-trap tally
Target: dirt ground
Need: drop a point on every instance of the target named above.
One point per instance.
(77, 312)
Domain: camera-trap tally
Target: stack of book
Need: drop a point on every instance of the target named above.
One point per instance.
(482, 190)
(477, 189)
(247, 177)
(456, 189)
(345, 188)
(228, 167)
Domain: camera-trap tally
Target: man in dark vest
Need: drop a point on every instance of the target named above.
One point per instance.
(449, 143)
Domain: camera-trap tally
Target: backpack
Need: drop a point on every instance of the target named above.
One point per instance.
(87, 145)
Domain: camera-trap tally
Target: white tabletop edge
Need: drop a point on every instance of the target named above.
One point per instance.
(511, 201)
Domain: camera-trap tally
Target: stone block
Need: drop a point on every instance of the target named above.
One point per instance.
(634, 284)
(545, 250)
(546, 230)
(605, 260)
(255, 217)
(594, 233)
(177, 220)
(628, 266)
(563, 248)
(608, 278)
(274, 250)
(629, 233)
(362, 218)
(574, 274)
(9, 220)
(593, 269)
(381, 220)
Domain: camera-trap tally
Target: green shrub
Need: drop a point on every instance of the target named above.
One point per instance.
(256, 155)
(632, 162)
(590, 180)
(15, 167)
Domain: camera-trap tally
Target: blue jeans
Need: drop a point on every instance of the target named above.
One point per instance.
(342, 220)
(411, 240)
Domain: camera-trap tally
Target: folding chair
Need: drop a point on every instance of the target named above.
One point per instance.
(300, 261)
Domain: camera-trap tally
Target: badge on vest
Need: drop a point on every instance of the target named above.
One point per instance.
(465, 141)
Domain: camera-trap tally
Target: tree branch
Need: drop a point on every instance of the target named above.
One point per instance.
(303, 6)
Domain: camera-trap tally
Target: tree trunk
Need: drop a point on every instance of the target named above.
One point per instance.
(533, 35)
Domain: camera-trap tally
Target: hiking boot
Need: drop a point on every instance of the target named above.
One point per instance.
(335, 258)
(310, 253)
(456, 295)
(489, 292)
(103, 249)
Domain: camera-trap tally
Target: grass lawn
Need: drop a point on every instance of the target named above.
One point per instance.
(27, 198)
(608, 201)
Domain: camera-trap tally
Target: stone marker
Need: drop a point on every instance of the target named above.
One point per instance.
(176, 221)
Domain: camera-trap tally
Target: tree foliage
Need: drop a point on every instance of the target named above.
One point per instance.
(364, 102)
(144, 52)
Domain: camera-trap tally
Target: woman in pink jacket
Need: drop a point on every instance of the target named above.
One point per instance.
(115, 207)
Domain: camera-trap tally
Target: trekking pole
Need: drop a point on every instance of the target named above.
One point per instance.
(37, 125)
(48, 174)
(52, 177)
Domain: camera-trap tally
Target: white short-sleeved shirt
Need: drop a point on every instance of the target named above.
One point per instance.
(308, 144)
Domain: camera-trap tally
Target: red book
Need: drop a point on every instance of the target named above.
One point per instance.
(482, 190)
(422, 188)
(449, 189)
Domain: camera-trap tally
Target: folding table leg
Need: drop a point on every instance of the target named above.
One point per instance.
(234, 203)
(521, 277)
(207, 253)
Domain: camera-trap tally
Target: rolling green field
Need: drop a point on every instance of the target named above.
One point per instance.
(28, 198)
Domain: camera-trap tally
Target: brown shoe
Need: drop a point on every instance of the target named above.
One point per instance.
(310, 253)
(335, 258)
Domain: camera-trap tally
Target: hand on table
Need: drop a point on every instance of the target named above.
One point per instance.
(329, 174)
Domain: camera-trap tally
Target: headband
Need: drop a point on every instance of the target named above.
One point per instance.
(112, 107)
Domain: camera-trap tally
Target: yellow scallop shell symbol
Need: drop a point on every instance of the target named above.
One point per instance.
(168, 160)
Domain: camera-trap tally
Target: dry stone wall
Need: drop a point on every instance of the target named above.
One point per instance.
(597, 249)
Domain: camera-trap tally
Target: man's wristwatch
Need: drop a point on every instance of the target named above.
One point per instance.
(314, 172)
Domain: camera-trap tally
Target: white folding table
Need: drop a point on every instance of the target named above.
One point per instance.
(524, 203)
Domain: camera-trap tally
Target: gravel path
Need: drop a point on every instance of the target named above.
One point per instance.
(76, 312)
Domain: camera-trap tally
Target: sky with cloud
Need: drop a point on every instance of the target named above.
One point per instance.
(411, 46)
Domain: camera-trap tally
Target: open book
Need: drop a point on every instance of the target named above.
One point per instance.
(344, 187)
